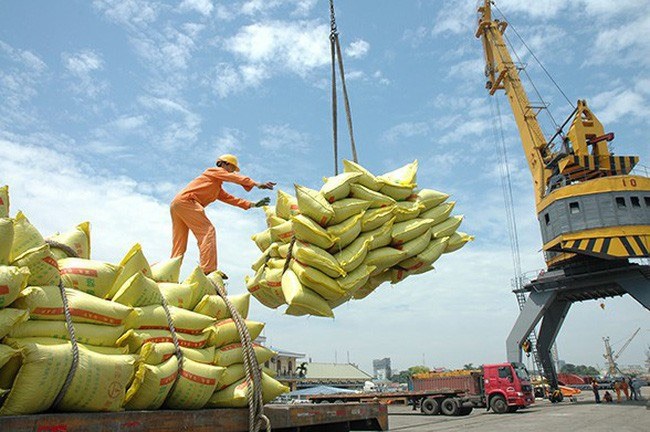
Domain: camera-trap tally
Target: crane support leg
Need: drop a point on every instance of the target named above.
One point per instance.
(533, 310)
(551, 323)
(638, 287)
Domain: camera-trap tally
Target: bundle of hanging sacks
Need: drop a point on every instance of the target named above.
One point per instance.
(325, 247)
(126, 355)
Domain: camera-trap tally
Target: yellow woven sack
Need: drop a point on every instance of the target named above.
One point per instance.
(234, 396)
(405, 176)
(296, 294)
(43, 373)
(352, 256)
(373, 283)
(346, 208)
(318, 258)
(345, 232)
(376, 218)
(376, 199)
(309, 231)
(7, 236)
(138, 290)
(4, 201)
(26, 236)
(379, 237)
(366, 179)
(205, 285)
(383, 258)
(179, 295)
(92, 277)
(154, 318)
(157, 353)
(225, 332)
(317, 281)
(132, 263)
(43, 268)
(439, 213)
(430, 198)
(90, 334)
(407, 210)
(282, 232)
(457, 240)
(231, 375)
(134, 339)
(7, 353)
(283, 250)
(338, 187)
(262, 239)
(9, 317)
(195, 385)
(286, 206)
(407, 231)
(261, 261)
(355, 279)
(214, 306)
(151, 385)
(78, 239)
(12, 281)
(55, 341)
(168, 270)
(314, 205)
(276, 263)
(273, 221)
(269, 296)
(45, 303)
(417, 245)
(231, 354)
(428, 256)
(398, 274)
(446, 228)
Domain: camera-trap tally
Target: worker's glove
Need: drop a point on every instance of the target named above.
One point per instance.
(263, 202)
(267, 185)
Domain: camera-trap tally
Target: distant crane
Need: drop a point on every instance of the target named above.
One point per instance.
(611, 357)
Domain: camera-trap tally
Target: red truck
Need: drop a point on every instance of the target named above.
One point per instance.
(503, 387)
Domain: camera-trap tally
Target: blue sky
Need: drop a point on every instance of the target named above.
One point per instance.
(110, 107)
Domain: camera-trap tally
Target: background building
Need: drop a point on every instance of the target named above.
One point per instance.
(381, 370)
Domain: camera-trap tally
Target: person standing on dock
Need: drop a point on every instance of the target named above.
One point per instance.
(188, 208)
(594, 388)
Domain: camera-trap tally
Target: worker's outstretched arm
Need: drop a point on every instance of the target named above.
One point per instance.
(232, 200)
(223, 175)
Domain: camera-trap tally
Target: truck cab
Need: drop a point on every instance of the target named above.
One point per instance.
(507, 387)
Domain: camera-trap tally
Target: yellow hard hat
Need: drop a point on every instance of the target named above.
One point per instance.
(231, 159)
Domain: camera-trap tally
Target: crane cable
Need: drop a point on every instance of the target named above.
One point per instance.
(335, 50)
(534, 56)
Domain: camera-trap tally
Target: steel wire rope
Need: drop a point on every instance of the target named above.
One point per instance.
(535, 57)
(335, 52)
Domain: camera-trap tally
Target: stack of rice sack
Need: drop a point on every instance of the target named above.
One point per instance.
(126, 350)
(356, 233)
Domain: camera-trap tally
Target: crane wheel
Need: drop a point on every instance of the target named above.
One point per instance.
(450, 407)
(498, 405)
(430, 406)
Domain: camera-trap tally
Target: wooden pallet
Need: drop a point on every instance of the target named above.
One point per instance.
(309, 417)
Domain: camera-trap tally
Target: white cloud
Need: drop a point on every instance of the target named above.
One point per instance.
(406, 130)
(182, 125)
(615, 105)
(626, 43)
(82, 66)
(132, 13)
(358, 48)
(204, 7)
(295, 46)
(231, 10)
(283, 137)
(229, 141)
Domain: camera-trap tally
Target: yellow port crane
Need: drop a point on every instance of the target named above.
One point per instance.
(594, 215)
(587, 201)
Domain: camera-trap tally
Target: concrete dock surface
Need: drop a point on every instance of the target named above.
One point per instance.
(583, 415)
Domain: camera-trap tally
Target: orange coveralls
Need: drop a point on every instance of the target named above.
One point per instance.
(187, 211)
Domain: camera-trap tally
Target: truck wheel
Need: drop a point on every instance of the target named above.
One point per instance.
(450, 407)
(465, 411)
(498, 405)
(430, 406)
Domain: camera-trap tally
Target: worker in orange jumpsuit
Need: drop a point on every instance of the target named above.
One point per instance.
(188, 208)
